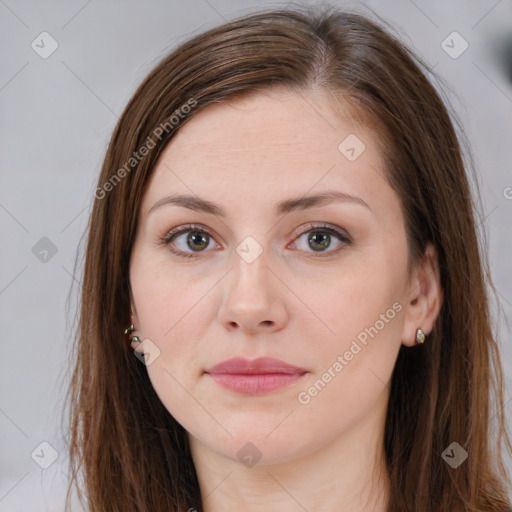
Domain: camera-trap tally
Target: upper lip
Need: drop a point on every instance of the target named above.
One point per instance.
(262, 365)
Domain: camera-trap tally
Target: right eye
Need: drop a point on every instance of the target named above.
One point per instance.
(197, 237)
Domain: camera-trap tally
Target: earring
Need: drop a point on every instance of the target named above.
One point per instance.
(420, 336)
(128, 332)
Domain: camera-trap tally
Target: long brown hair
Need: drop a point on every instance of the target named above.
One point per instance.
(129, 451)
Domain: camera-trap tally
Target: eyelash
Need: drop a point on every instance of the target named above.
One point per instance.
(322, 228)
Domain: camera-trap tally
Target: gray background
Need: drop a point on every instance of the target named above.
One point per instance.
(57, 115)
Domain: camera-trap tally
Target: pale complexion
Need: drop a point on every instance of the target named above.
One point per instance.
(296, 302)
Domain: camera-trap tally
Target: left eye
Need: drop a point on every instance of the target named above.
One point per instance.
(197, 239)
(319, 239)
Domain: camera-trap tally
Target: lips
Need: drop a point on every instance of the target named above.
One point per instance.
(255, 376)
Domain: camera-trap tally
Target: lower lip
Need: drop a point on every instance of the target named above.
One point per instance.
(255, 384)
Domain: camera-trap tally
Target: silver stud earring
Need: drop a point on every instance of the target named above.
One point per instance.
(420, 336)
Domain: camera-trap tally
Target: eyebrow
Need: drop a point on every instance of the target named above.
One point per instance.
(302, 203)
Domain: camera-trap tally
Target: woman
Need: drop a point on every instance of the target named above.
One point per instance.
(283, 233)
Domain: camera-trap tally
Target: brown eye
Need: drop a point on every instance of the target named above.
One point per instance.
(197, 240)
(191, 240)
(188, 240)
(320, 238)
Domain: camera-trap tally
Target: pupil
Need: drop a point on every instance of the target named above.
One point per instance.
(197, 238)
(321, 239)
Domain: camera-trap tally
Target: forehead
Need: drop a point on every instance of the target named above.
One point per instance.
(269, 144)
(268, 125)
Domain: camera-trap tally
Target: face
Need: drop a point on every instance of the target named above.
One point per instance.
(249, 267)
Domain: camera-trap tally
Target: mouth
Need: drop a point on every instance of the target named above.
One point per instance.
(255, 377)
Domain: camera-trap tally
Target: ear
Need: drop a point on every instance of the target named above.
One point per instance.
(137, 346)
(133, 310)
(133, 319)
(425, 297)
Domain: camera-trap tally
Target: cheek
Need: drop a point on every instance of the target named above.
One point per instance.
(365, 328)
(354, 369)
(364, 313)
(352, 301)
(174, 311)
(165, 296)
(172, 315)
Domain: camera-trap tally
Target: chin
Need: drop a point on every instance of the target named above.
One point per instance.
(250, 446)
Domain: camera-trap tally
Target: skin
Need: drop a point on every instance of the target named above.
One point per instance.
(293, 302)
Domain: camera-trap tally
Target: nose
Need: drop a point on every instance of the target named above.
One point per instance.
(253, 298)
